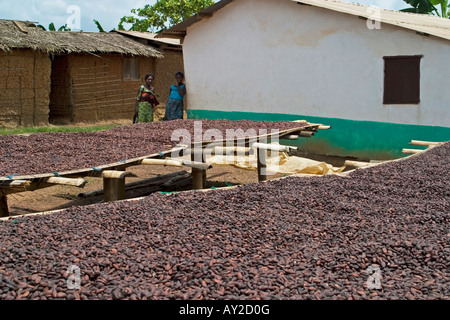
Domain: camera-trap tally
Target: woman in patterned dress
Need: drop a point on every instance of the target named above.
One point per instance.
(146, 101)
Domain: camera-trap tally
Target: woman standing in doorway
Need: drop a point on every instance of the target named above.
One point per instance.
(146, 101)
(174, 105)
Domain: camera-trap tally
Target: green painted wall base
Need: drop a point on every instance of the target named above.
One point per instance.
(364, 140)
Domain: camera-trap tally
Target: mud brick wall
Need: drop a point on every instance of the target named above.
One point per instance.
(61, 104)
(98, 90)
(24, 88)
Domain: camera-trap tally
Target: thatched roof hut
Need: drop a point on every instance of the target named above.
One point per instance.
(65, 77)
(26, 35)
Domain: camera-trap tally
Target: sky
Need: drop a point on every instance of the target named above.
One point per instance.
(79, 14)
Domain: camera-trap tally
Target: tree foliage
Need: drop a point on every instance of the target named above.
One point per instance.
(51, 27)
(429, 7)
(163, 14)
(99, 26)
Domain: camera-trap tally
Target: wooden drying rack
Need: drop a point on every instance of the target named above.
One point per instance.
(114, 174)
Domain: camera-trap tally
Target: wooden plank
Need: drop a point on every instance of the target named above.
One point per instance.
(19, 25)
(356, 164)
(412, 151)
(162, 162)
(273, 147)
(306, 134)
(178, 181)
(14, 183)
(291, 137)
(80, 183)
(424, 143)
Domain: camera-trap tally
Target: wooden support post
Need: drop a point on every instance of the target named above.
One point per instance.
(204, 178)
(198, 175)
(4, 212)
(262, 164)
(197, 179)
(114, 185)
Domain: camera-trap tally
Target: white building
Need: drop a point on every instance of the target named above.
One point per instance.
(378, 77)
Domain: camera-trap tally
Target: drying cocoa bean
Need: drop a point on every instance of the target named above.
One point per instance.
(380, 233)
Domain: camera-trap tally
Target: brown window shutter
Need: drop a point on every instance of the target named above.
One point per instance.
(402, 80)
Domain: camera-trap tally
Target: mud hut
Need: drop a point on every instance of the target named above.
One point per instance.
(64, 77)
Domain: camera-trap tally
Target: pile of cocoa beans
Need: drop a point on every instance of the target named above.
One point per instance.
(58, 152)
(379, 233)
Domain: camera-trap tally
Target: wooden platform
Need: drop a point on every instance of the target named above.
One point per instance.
(115, 183)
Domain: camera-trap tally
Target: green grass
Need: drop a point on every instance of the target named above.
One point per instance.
(32, 130)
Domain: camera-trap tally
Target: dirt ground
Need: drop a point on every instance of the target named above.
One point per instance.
(60, 197)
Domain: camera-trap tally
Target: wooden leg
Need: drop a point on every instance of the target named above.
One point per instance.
(114, 185)
(262, 164)
(114, 189)
(204, 178)
(4, 212)
(198, 175)
(197, 179)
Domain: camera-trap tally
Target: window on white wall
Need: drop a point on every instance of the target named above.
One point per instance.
(402, 80)
(130, 69)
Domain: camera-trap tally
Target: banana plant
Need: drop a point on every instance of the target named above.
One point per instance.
(99, 26)
(445, 7)
(51, 27)
(420, 6)
(429, 7)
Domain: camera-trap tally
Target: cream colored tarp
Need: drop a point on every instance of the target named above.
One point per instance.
(277, 163)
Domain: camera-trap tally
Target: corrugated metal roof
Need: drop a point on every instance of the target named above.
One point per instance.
(427, 24)
(149, 36)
